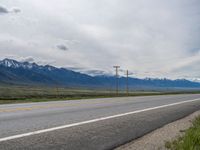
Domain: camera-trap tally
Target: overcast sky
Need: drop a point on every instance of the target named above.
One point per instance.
(151, 38)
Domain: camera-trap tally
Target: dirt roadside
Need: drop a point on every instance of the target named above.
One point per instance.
(156, 139)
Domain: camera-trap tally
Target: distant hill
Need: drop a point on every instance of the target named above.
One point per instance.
(25, 73)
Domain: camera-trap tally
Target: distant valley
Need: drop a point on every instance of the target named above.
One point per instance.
(25, 73)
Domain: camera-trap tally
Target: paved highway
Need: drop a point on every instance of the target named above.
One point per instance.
(88, 124)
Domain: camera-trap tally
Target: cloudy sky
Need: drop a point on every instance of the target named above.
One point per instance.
(151, 38)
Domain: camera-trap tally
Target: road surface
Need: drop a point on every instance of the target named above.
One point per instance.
(94, 124)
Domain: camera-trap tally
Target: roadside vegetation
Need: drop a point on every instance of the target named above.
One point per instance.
(23, 94)
(190, 140)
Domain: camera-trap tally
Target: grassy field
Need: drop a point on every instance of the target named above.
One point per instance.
(190, 141)
(21, 94)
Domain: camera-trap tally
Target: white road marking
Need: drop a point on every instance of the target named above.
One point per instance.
(91, 121)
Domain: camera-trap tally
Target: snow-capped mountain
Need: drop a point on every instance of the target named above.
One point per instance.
(14, 72)
(15, 64)
(26, 65)
(10, 63)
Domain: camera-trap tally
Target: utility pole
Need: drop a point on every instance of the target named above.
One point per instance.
(117, 79)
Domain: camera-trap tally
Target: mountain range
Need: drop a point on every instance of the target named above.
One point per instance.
(26, 73)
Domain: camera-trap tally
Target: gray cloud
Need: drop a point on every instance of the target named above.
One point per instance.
(62, 47)
(27, 59)
(3, 10)
(46, 62)
(75, 68)
(16, 10)
(94, 72)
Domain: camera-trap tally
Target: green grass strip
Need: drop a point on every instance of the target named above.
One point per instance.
(190, 140)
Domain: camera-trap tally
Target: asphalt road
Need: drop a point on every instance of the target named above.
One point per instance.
(94, 124)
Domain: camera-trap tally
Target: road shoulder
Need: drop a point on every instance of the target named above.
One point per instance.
(156, 140)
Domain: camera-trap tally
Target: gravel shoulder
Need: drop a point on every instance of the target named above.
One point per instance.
(156, 139)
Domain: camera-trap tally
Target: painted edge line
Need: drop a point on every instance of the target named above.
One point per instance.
(91, 121)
